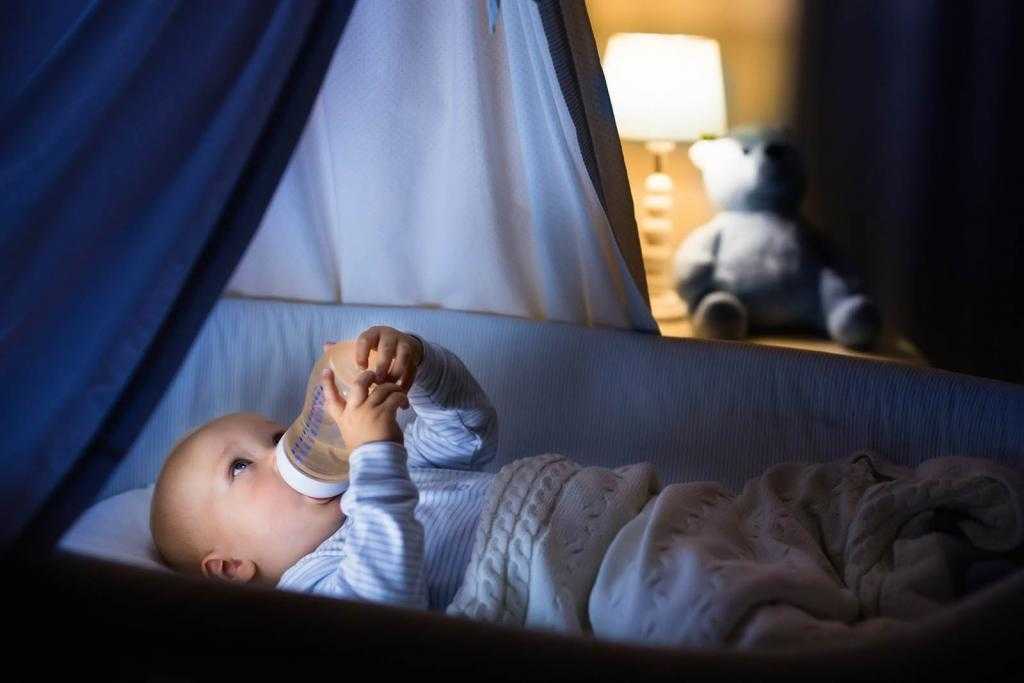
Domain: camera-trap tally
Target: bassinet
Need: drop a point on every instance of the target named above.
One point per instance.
(697, 410)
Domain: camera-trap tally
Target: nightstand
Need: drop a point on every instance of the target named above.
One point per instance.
(900, 352)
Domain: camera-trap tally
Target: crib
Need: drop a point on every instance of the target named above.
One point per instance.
(697, 410)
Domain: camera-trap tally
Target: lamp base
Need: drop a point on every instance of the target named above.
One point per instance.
(656, 231)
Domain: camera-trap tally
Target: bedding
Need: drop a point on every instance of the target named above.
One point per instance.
(116, 529)
(805, 552)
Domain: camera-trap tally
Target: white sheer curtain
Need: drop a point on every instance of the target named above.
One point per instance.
(440, 168)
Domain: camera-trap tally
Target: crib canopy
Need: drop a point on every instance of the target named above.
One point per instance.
(142, 144)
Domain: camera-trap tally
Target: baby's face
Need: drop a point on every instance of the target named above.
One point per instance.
(250, 510)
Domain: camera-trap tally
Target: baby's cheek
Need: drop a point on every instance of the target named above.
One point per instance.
(270, 499)
(279, 513)
(282, 497)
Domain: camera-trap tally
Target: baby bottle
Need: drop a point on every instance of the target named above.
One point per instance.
(311, 456)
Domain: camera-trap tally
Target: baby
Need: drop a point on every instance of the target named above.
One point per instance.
(402, 531)
(808, 551)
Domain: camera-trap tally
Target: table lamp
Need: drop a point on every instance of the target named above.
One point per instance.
(664, 89)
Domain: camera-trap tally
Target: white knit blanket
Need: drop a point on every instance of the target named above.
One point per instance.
(543, 532)
(805, 552)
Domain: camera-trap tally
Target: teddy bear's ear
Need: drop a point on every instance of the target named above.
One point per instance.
(699, 153)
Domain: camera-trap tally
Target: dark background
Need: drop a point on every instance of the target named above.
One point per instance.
(911, 121)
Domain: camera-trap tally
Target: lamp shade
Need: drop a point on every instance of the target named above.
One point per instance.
(665, 87)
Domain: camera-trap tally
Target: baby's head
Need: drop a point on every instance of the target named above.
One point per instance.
(220, 508)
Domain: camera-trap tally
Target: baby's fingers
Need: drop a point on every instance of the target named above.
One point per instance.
(360, 388)
(385, 354)
(382, 392)
(405, 368)
(366, 341)
(333, 402)
(394, 401)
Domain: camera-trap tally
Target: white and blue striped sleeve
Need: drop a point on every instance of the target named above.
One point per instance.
(377, 555)
(455, 425)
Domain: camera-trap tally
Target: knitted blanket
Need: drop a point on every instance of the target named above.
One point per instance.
(805, 552)
(543, 532)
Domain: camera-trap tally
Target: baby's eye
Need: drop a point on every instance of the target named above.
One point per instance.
(237, 465)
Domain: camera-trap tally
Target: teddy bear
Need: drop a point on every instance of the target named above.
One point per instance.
(757, 266)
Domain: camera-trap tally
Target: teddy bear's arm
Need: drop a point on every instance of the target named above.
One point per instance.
(694, 266)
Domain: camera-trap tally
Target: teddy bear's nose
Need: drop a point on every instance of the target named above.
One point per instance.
(774, 151)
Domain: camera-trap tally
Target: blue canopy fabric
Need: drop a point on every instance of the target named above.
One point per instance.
(140, 144)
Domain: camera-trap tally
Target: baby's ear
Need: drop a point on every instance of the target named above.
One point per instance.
(228, 569)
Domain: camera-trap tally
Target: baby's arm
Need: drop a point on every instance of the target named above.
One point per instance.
(455, 425)
(378, 553)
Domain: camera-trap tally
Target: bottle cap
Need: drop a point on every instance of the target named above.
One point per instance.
(302, 482)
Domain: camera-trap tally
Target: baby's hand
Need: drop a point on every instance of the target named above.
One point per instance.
(404, 349)
(367, 415)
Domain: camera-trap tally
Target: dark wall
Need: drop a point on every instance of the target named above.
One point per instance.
(912, 124)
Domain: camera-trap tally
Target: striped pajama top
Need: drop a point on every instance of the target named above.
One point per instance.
(411, 510)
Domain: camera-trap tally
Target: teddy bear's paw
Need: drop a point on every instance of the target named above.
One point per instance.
(720, 315)
(854, 322)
